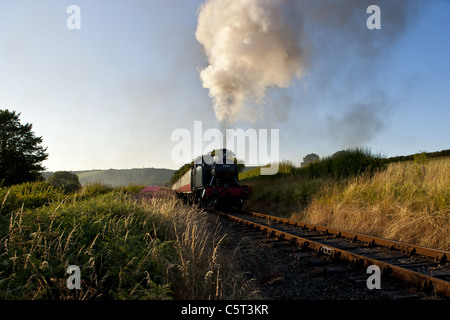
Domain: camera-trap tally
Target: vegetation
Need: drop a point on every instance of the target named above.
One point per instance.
(180, 172)
(136, 245)
(428, 155)
(21, 153)
(65, 180)
(407, 201)
(27, 195)
(294, 186)
(342, 164)
(126, 247)
(345, 164)
(310, 158)
(123, 177)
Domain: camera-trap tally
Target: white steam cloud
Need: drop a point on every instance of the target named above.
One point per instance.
(256, 47)
(251, 46)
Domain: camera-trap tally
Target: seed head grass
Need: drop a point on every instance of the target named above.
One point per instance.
(409, 201)
(127, 247)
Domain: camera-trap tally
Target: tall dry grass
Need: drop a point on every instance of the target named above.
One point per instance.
(409, 201)
(205, 267)
(126, 248)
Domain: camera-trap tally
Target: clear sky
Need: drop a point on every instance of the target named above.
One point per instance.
(110, 94)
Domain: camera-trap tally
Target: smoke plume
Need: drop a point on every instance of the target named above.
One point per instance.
(257, 46)
(251, 46)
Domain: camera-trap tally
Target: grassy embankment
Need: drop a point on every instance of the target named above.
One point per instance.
(407, 201)
(126, 248)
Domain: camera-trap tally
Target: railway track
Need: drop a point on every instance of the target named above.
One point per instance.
(427, 269)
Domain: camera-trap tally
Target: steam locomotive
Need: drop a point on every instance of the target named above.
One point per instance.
(212, 182)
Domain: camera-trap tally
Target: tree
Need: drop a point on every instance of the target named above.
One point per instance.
(65, 180)
(310, 158)
(20, 151)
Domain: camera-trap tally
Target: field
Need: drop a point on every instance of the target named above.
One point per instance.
(127, 247)
(123, 177)
(407, 201)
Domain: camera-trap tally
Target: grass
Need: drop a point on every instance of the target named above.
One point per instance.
(127, 247)
(407, 201)
(282, 196)
(28, 195)
(135, 247)
(88, 174)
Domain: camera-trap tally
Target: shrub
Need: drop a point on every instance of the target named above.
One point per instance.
(130, 188)
(345, 164)
(95, 188)
(65, 180)
(286, 168)
(28, 195)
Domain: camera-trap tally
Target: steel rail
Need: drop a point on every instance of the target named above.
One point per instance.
(439, 255)
(420, 280)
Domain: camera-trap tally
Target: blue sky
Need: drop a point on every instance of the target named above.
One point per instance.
(110, 94)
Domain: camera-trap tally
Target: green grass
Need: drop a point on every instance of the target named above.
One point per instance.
(126, 248)
(104, 235)
(87, 174)
(289, 190)
(28, 195)
(343, 164)
(251, 173)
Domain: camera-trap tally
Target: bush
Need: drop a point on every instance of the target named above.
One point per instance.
(65, 180)
(130, 188)
(286, 168)
(29, 195)
(344, 164)
(95, 188)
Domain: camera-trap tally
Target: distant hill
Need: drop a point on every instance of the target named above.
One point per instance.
(122, 177)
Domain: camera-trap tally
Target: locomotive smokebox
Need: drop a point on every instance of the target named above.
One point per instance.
(213, 181)
(224, 171)
(224, 168)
